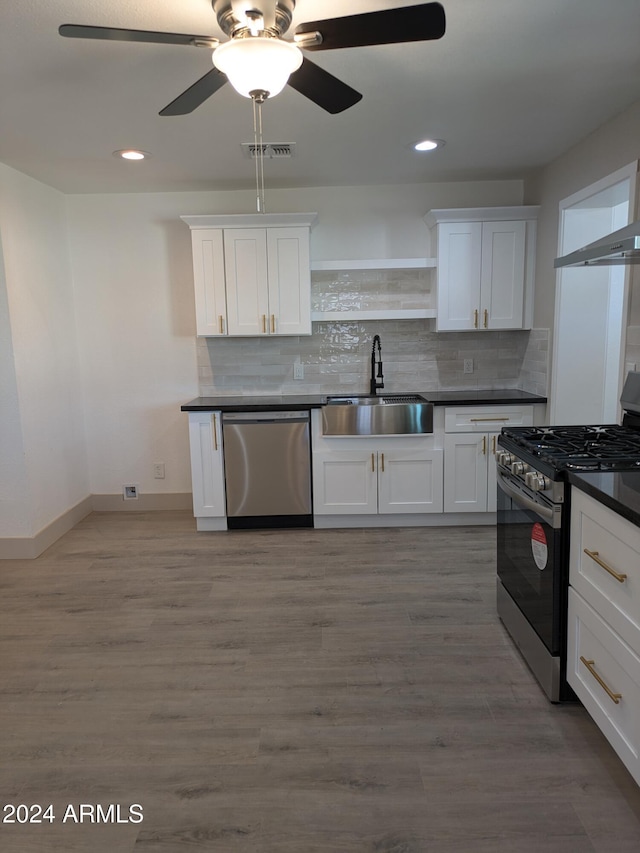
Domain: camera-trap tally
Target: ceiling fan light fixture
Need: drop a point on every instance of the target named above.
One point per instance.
(257, 63)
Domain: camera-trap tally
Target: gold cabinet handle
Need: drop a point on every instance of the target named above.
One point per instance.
(382, 461)
(221, 322)
(264, 324)
(484, 445)
(475, 318)
(215, 433)
(373, 466)
(595, 556)
(486, 319)
(590, 665)
(273, 323)
(490, 420)
(493, 444)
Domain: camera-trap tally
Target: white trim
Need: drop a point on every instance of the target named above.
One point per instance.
(250, 220)
(436, 519)
(481, 214)
(626, 173)
(30, 547)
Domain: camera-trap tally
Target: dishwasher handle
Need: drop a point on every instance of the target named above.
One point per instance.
(265, 417)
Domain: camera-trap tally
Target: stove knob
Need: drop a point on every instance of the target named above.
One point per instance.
(537, 481)
(505, 458)
(519, 468)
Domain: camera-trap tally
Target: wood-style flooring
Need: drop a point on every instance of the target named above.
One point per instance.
(310, 691)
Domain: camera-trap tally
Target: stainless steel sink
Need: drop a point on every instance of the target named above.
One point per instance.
(385, 414)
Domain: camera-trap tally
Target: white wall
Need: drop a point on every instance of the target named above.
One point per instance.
(612, 146)
(15, 511)
(133, 286)
(41, 398)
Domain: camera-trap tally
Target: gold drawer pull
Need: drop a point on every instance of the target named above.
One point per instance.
(475, 318)
(615, 697)
(621, 578)
(215, 433)
(493, 444)
(264, 324)
(382, 455)
(486, 319)
(373, 468)
(273, 324)
(482, 420)
(484, 445)
(221, 324)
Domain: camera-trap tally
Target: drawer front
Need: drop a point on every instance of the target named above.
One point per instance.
(595, 652)
(605, 564)
(486, 418)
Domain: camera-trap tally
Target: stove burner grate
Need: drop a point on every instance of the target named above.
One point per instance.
(580, 448)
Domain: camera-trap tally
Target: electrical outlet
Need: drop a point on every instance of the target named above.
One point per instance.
(158, 470)
(298, 370)
(467, 365)
(130, 493)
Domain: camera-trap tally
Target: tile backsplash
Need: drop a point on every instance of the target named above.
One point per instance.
(372, 290)
(336, 359)
(336, 356)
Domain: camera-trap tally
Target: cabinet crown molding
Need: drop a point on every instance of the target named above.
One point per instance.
(481, 214)
(250, 220)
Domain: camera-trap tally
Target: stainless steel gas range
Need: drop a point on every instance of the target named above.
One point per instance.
(533, 527)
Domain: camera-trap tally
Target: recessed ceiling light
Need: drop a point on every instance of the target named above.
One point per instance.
(428, 144)
(131, 154)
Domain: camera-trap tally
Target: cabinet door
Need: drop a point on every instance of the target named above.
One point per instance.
(245, 255)
(207, 468)
(209, 282)
(289, 281)
(605, 674)
(502, 275)
(459, 257)
(410, 481)
(344, 483)
(465, 472)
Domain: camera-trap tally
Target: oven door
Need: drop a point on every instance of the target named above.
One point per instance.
(529, 557)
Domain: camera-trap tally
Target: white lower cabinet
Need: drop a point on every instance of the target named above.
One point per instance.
(381, 479)
(470, 444)
(470, 481)
(603, 643)
(207, 465)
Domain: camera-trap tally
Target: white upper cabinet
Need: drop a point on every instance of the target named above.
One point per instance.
(485, 267)
(253, 279)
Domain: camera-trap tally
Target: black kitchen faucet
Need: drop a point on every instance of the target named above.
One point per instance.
(377, 379)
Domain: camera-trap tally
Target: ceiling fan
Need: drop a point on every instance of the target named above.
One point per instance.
(259, 62)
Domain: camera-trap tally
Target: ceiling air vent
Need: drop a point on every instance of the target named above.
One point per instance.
(270, 150)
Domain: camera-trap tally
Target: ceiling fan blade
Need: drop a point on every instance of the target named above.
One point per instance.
(79, 31)
(323, 88)
(390, 26)
(196, 94)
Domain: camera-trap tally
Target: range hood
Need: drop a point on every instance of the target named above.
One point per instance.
(620, 247)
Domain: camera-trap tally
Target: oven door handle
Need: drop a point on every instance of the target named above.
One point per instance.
(526, 502)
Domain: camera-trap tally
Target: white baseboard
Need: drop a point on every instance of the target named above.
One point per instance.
(436, 519)
(144, 503)
(30, 547)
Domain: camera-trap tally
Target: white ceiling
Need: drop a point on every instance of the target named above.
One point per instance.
(511, 85)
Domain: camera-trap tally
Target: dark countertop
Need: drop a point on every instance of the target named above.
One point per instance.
(619, 491)
(291, 402)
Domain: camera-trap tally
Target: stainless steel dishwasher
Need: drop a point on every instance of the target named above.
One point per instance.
(267, 457)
